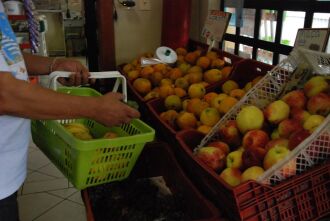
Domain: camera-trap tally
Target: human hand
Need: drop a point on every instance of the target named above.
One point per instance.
(80, 74)
(111, 111)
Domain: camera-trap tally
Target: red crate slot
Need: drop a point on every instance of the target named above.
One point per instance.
(158, 160)
(302, 197)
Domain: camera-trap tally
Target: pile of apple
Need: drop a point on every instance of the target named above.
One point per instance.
(201, 110)
(162, 80)
(257, 139)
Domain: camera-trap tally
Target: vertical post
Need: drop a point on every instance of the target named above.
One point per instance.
(104, 12)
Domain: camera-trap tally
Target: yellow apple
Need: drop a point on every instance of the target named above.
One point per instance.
(277, 111)
(275, 155)
(315, 85)
(313, 122)
(252, 173)
(231, 176)
(249, 118)
(234, 159)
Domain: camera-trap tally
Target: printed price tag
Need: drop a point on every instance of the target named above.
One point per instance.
(215, 25)
(312, 38)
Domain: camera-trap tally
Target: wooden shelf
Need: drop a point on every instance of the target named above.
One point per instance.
(17, 17)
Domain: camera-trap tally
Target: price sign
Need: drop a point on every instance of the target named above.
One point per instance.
(312, 38)
(215, 25)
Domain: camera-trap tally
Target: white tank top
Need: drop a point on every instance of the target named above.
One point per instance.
(14, 131)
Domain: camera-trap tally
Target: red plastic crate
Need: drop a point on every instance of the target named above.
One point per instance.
(303, 197)
(158, 160)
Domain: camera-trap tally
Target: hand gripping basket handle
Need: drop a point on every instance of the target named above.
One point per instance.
(97, 75)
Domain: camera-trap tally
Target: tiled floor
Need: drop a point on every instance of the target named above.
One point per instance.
(46, 194)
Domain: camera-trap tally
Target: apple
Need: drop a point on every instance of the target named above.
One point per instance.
(213, 157)
(295, 99)
(110, 135)
(288, 126)
(313, 122)
(234, 159)
(253, 157)
(297, 137)
(277, 142)
(275, 134)
(277, 111)
(249, 118)
(255, 138)
(315, 85)
(221, 145)
(299, 114)
(230, 134)
(319, 104)
(252, 173)
(275, 155)
(231, 176)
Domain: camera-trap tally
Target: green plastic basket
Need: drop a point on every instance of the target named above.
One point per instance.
(92, 162)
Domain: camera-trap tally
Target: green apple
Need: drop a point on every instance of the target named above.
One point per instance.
(234, 159)
(275, 155)
(249, 118)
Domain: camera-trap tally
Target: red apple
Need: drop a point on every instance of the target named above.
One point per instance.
(319, 104)
(275, 155)
(253, 157)
(213, 157)
(255, 138)
(252, 173)
(277, 111)
(234, 159)
(231, 176)
(230, 134)
(299, 114)
(288, 126)
(221, 145)
(277, 142)
(295, 99)
(297, 137)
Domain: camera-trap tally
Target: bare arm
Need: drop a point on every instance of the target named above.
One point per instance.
(19, 98)
(37, 65)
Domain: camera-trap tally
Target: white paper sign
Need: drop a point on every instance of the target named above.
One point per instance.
(215, 25)
(312, 38)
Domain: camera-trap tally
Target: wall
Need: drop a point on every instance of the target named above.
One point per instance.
(137, 31)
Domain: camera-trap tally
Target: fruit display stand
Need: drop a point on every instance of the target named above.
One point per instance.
(156, 160)
(303, 197)
(289, 189)
(244, 71)
(94, 161)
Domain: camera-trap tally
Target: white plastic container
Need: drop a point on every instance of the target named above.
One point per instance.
(14, 8)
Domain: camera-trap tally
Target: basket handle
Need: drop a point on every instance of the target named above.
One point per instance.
(96, 75)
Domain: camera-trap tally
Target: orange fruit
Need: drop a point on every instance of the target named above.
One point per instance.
(226, 104)
(186, 120)
(132, 75)
(181, 51)
(165, 90)
(226, 71)
(169, 117)
(184, 67)
(212, 76)
(217, 63)
(152, 94)
(194, 77)
(156, 78)
(196, 106)
(180, 92)
(237, 93)
(215, 102)
(209, 97)
(210, 116)
(142, 85)
(204, 62)
(175, 73)
(160, 67)
(173, 102)
(182, 83)
(146, 71)
(180, 59)
(191, 57)
(195, 69)
(229, 86)
(185, 104)
(256, 80)
(212, 55)
(248, 86)
(204, 129)
(196, 90)
(127, 68)
(166, 81)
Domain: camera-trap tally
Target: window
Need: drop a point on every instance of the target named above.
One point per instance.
(269, 28)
